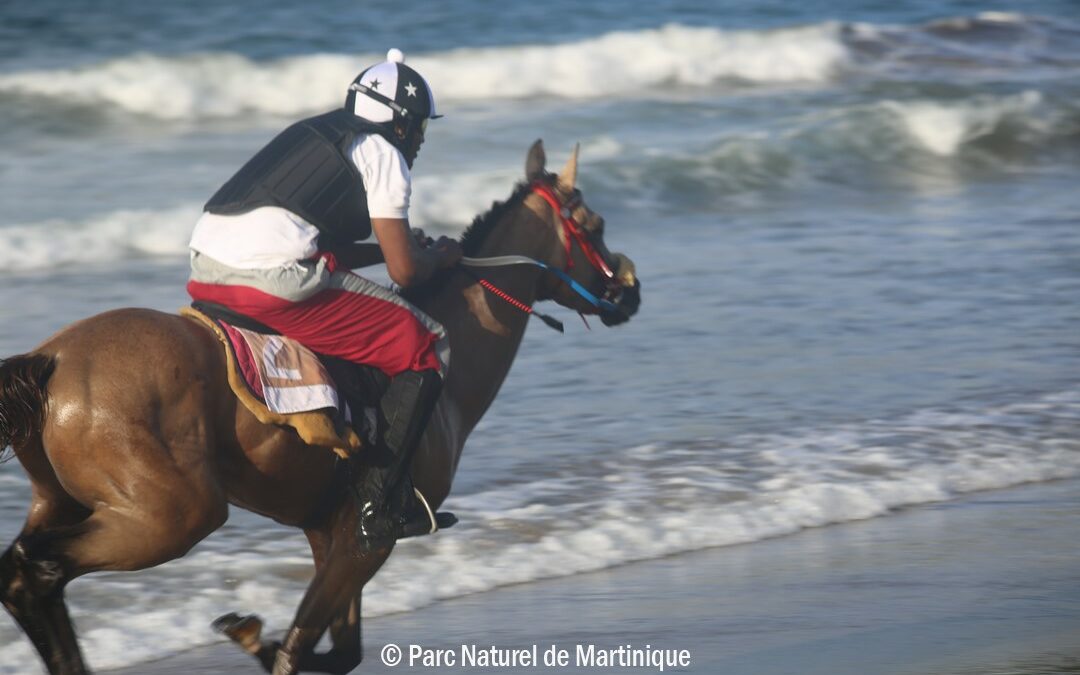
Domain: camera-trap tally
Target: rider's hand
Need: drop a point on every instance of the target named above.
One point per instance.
(449, 251)
(421, 238)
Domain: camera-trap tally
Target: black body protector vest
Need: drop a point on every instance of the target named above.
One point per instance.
(306, 170)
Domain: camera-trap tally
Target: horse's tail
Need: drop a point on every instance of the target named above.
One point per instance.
(22, 398)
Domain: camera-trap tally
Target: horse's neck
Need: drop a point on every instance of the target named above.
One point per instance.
(484, 331)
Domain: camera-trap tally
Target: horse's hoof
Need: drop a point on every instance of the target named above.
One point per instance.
(224, 621)
(243, 630)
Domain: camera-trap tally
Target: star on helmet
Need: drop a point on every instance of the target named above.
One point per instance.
(410, 88)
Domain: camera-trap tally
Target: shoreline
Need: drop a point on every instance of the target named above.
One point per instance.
(986, 583)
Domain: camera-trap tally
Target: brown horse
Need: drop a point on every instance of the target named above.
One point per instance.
(135, 445)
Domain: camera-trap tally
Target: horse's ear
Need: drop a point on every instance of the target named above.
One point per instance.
(568, 176)
(534, 163)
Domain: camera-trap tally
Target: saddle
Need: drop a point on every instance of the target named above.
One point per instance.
(326, 400)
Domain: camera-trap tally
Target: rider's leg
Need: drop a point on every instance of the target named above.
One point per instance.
(388, 507)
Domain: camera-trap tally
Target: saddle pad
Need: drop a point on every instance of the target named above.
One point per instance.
(285, 374)
(299, 388)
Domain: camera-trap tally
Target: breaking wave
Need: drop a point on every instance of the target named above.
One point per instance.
(905, 143)
(216, 85)
(624, 63)
(889, 140)
(104, 238)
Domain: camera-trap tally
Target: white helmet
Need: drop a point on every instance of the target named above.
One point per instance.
(391, 92)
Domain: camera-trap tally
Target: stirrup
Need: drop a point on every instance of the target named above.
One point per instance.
(439, 521)
(430, 513)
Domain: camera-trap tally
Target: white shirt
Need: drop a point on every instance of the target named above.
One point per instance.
(271, 236)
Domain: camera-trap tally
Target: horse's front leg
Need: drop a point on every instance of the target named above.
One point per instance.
(346, 651)
(334, 593)
(346, 636)
(332, 601)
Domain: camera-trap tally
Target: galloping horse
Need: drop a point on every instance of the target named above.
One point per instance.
(135, 445)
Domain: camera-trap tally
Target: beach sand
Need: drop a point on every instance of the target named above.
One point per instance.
(986, 584)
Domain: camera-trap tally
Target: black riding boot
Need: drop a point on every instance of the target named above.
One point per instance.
(388, 506)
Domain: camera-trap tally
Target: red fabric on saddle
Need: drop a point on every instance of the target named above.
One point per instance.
(244, 360)
(337, 322)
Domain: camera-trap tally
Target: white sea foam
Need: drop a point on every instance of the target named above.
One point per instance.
(644, 502)
(103, 238)
(942, 128)
(861, 137)
(746, 160)
(622, 63)
(224, 85)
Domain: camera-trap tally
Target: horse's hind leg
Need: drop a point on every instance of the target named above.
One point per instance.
(33, 592)
(38, 566)
(156, 513)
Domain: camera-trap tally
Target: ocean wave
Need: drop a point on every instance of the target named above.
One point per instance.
(217, 85)
(641, 503)
(894, 140)
(624, 63)
(891, 140)
(921, 131)
(943, 128)
(905, 144)
(102, 238)
(989, 44)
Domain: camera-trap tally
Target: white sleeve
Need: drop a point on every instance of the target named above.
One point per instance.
(387, 180)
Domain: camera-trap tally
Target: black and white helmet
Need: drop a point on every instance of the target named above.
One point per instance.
(392, 92)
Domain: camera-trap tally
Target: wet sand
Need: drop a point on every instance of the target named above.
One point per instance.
(986, 584)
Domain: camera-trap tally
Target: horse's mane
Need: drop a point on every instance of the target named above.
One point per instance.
(471, 241)
(475, 235)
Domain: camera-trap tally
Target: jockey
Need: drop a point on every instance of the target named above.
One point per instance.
(277, 241)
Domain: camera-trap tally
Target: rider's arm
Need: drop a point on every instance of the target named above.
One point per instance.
(407, 263)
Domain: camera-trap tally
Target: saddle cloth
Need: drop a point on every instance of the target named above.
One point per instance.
(282, 382)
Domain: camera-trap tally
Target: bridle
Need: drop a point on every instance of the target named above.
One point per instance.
(572, 232)
(566, 215)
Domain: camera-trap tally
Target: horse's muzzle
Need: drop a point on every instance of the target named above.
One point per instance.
(628, 299)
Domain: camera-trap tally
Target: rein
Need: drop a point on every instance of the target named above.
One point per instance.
(565, 212)
(499, 293)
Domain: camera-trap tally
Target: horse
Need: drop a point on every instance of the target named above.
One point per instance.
(135, 445)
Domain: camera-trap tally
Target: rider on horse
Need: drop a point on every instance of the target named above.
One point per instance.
(277, 241)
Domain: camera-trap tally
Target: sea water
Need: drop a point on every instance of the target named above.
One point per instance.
(857, 226)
